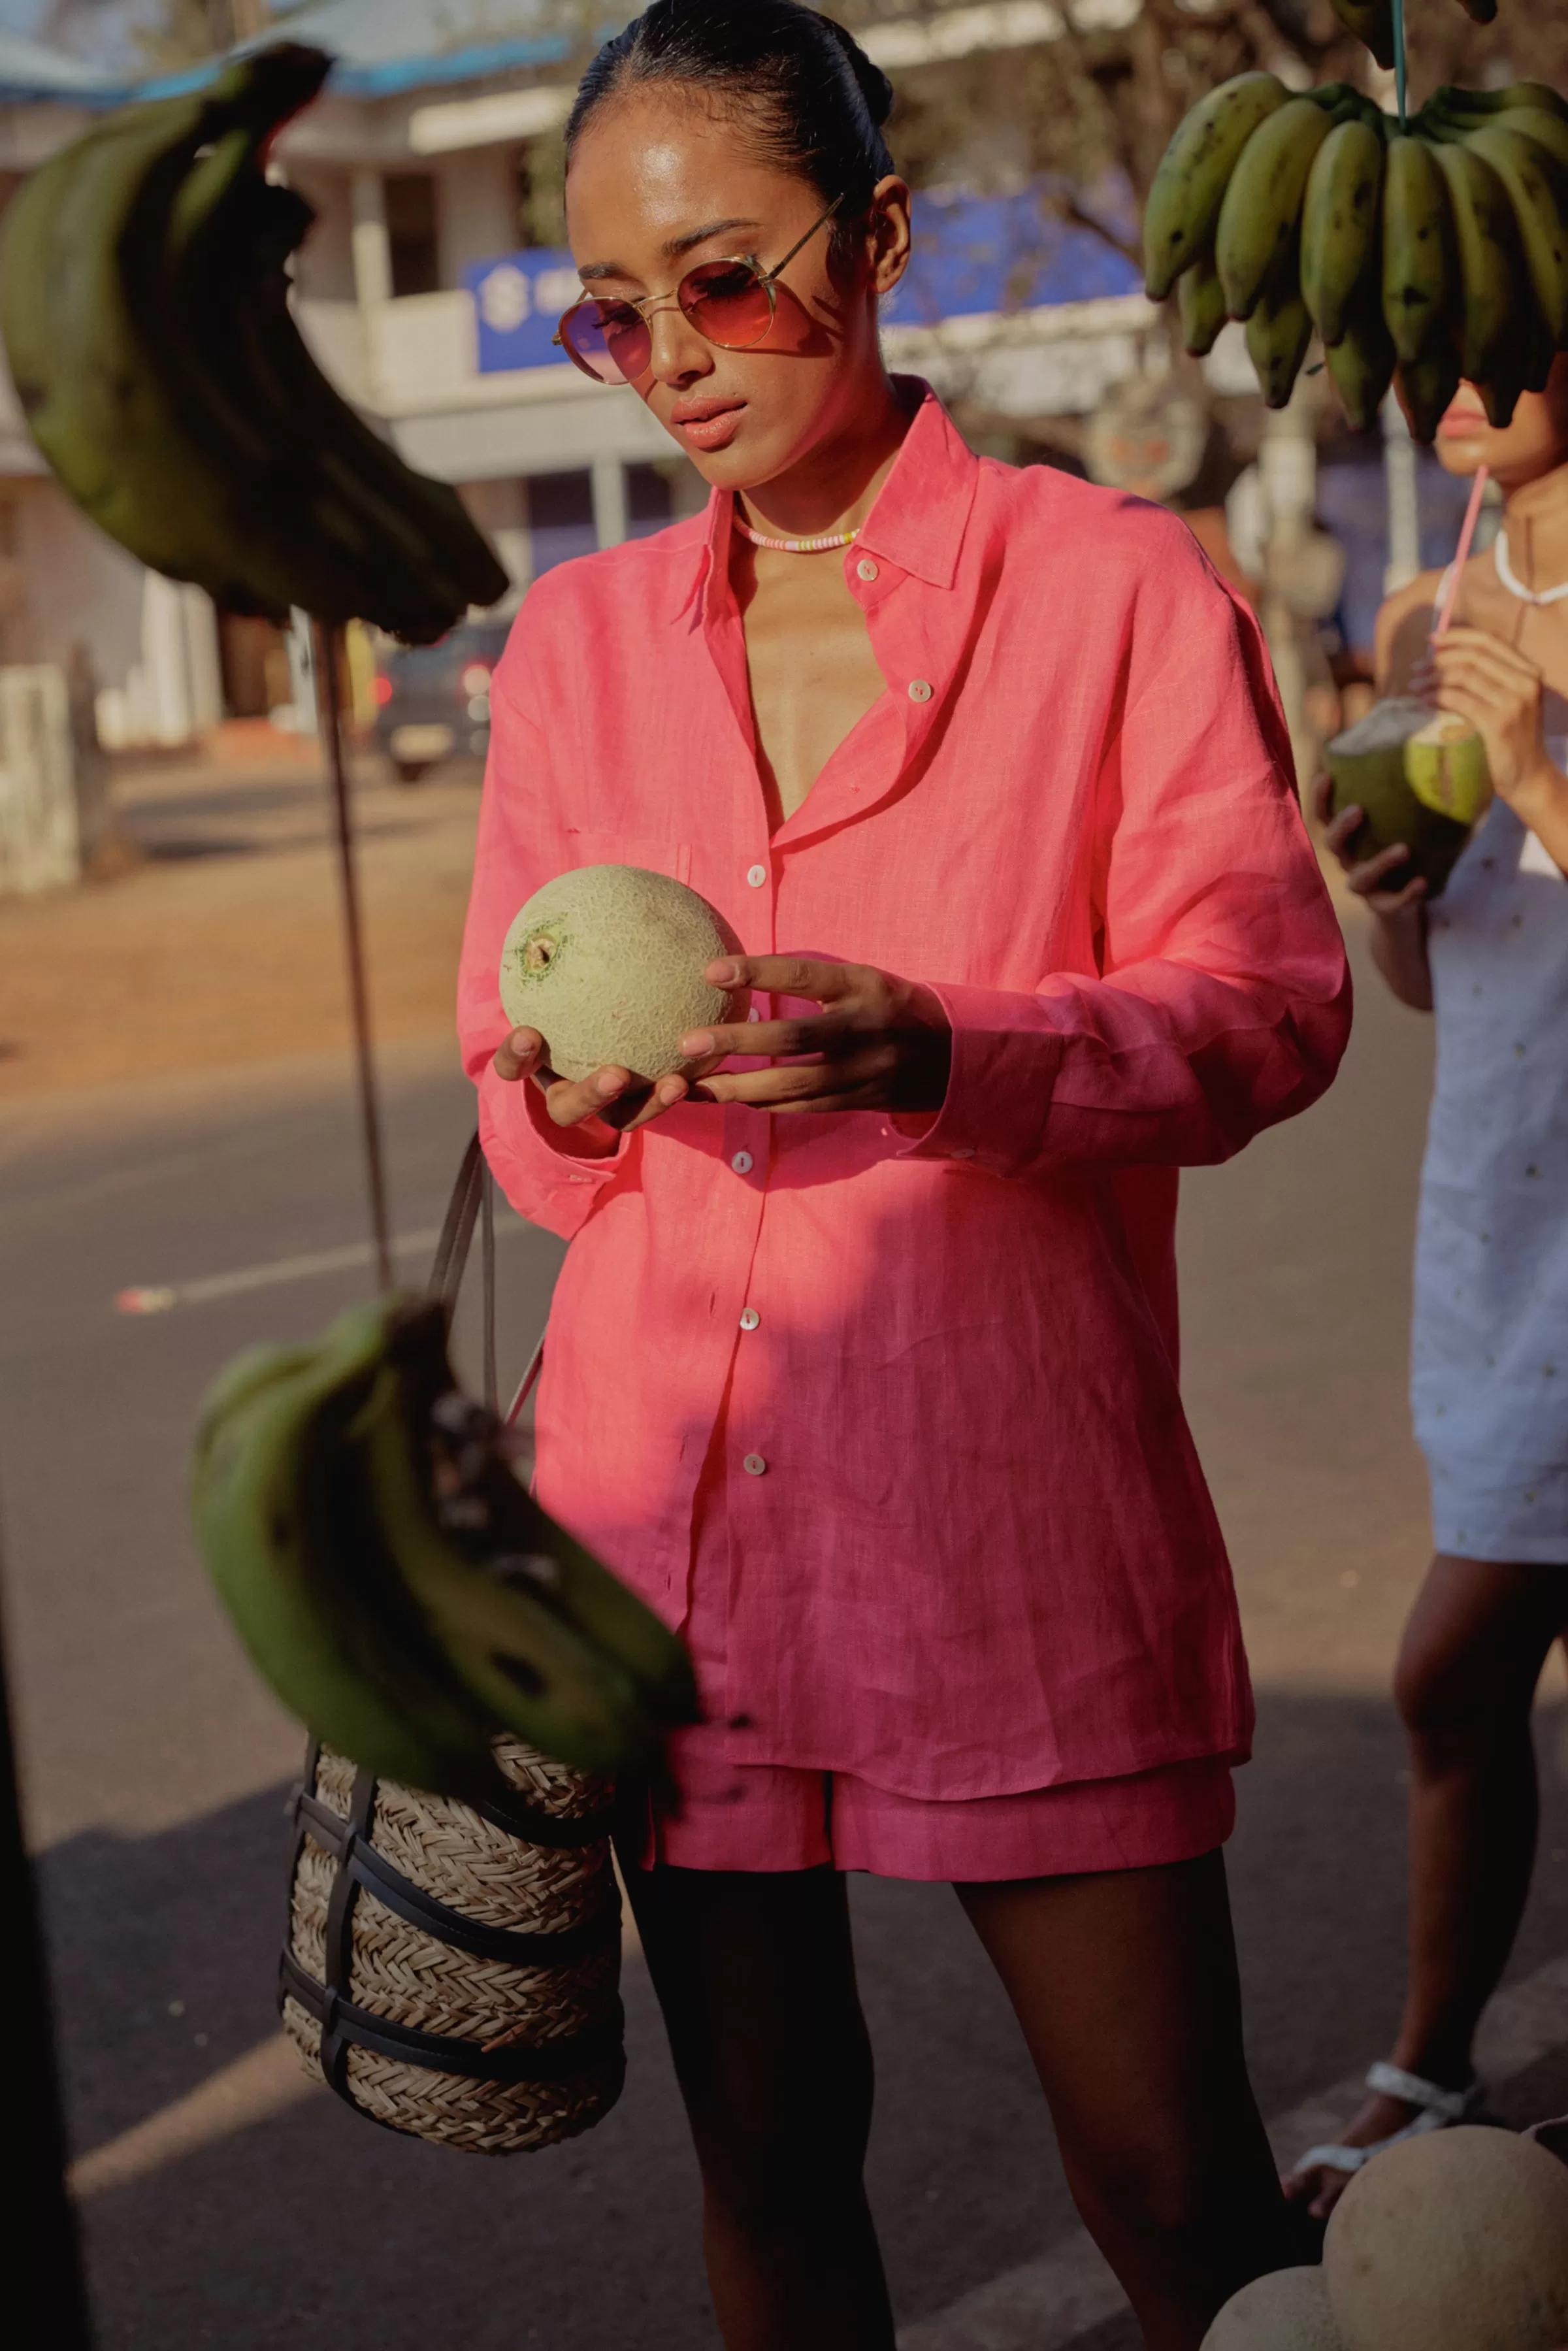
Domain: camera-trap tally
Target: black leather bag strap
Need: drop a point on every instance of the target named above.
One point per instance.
(551, 2061)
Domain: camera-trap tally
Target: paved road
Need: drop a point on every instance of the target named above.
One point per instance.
(156, 1767)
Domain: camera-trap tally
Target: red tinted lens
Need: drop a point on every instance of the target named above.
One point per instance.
(607, 339)
(728, 302)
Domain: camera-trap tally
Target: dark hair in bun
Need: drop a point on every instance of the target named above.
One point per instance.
(813, 98)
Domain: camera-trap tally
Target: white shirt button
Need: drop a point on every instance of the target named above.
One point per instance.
(867, 568)
(754, 1465)
(757, 874)
(963, 1150)
(921, 689)
(741, 1163)
(753, 1014)
(749, 1318)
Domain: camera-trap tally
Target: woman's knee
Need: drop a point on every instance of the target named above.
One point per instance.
(1161, 2212)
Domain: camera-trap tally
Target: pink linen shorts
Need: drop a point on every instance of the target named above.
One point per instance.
(770, 1816)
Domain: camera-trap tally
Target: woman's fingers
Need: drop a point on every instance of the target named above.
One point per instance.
(518, 1056)
(811, 1085)
(1475, 644)
(1366, 879)
(807, 976)
(1395, 902)
(1340, 832)
(774, 1039)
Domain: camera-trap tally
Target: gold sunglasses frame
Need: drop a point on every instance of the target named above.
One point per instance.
(643, 303)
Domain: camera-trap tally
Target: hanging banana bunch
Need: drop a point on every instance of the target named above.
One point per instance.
(1420, 256)
(1372, 21)
(144, 307)
(399, 1591)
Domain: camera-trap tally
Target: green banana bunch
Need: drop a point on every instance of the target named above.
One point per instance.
(1491, 285)
(1340, 223)
(1361, 364)
(394, 1583)
(1261, 209)
(1189, 188)
(1278, 333)
(1200, 298)
(1441, 248)
(1417, 248)
(144, 307)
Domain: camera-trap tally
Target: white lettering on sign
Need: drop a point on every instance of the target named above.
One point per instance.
(505, 299)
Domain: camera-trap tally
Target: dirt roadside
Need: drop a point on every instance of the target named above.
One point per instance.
(218, 943)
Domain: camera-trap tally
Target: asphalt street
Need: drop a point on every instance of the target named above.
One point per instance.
(156, 1767)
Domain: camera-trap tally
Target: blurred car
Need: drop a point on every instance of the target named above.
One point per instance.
(433, 702)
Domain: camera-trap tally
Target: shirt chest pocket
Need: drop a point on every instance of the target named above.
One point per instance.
(656, 856)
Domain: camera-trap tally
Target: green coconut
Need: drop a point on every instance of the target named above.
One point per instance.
(607, 961)
(1454, 2241)
(1446, 767)
(1287, 2311)
(1366, 766)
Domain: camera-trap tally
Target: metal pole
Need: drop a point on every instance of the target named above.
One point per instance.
(1399, 464)
(327, 646)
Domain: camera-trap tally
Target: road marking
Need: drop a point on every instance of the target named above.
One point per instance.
(266, 2081)
(1050, 2304)
(161, 1298)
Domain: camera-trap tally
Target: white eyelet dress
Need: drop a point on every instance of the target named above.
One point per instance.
(1490, 1352)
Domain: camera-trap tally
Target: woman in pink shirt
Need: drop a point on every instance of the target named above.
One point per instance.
(863, 1363)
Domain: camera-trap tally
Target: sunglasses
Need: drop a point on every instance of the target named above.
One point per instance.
(732, 304)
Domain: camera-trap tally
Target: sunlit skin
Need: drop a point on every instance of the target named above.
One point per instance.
(1493, 667)
(805, 427)
(1480, 1630)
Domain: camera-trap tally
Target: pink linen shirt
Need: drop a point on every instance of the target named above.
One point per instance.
(930, 1365)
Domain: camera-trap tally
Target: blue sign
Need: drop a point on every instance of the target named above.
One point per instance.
(973, 256)
(518, 301)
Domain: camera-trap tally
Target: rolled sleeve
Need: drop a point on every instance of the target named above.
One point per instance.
(522, 845)
(1224, 1002)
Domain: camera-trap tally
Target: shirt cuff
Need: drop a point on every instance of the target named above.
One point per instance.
(531, 1160)
(1003, 1067)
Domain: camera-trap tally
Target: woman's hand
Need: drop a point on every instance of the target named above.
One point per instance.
(1497, 689)
(1367, 876)
(878, 1042)
(602, 1107)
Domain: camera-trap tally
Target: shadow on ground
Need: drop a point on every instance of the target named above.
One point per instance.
(315, 2229)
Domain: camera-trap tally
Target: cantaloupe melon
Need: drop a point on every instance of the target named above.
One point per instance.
(1454, 2241)
(606, 962)
(1287, 2311)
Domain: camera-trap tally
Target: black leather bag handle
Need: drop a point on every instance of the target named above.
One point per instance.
(472, 1202)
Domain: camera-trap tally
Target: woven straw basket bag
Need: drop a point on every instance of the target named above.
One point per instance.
(452, 1969)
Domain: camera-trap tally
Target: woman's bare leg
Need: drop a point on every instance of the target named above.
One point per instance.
(756, 1978)
(1471, 1657)
(1125, 1985)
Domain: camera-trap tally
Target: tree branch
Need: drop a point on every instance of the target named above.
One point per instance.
(1068, 211)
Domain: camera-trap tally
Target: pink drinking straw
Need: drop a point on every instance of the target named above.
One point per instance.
(1462, 555)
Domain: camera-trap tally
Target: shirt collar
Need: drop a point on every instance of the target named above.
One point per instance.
(920, 516)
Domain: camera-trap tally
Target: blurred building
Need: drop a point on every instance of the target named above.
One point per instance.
(424, 294)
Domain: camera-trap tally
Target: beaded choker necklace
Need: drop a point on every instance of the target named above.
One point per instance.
(1508, 578)
(795, 546)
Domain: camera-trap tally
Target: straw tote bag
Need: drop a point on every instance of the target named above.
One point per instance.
(452, 1969)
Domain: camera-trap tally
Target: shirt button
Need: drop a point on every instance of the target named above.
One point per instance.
(753, 1013)
(757, 874)
(754, 1465)
(749, 1318)
(920, 689)
(741, 1163)
(867, 568)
